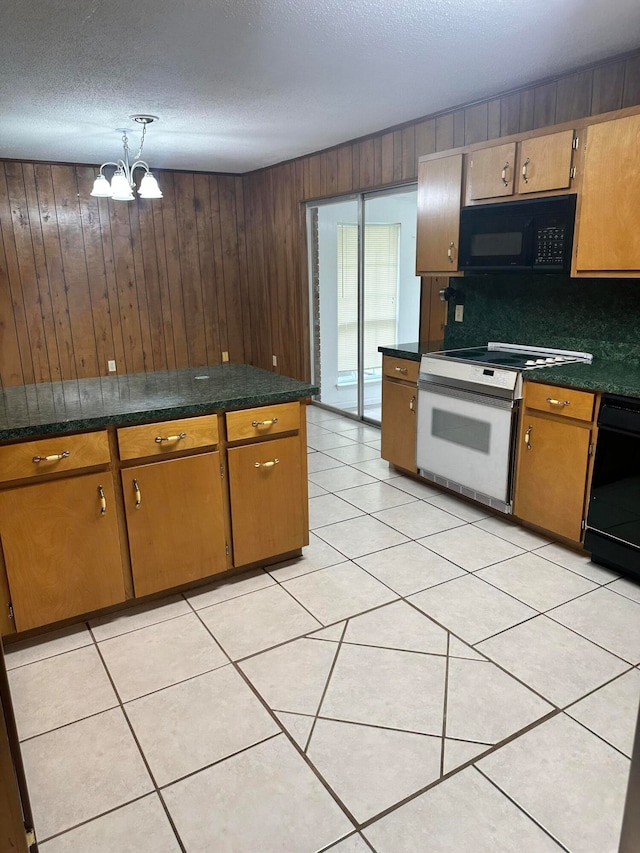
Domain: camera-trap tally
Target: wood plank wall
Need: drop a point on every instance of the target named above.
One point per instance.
(154, 285)
(274, 214)
(219, 264)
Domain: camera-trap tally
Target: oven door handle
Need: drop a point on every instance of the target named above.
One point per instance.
(463, 394)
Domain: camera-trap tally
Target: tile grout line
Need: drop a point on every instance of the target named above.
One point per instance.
(522, 809)
(326, 686)
(444, 705)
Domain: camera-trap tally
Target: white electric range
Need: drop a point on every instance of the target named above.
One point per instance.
(467, 416)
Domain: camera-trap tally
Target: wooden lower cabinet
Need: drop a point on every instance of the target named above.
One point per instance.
(551, 476)
(267, 499)
(175, 521)
(62, 553)
(399, 424)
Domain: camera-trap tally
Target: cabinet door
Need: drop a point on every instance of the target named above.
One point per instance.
(551, 477)
(545, 162)
(266, 499)
(62, 553)
(399, 410)
(439, 200)
(175, 521)
(608, 237)
(491, 171)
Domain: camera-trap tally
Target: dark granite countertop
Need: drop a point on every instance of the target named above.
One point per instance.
(614, 377)
(411, 351)
(83, 404)
(607, 375)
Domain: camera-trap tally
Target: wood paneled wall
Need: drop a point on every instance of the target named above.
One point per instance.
(219, 264)
(154, 285)
(275, 215)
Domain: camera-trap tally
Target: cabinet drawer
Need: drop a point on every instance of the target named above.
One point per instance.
(401, 368)
(263, 422)
(167, 437)
(50, 455)
(560, 401)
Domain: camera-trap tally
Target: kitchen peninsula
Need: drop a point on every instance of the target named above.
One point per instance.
(120, 487)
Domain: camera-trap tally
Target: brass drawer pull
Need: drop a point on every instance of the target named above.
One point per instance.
(400, 369)
(55, 457)
(553, 402)
(103, 501)
(504, 173)
(268, 423)
(525, 177)
(450, 251)
(161, 438)
(266, 464)
(527, 437)
(136, 489)
(412, 404)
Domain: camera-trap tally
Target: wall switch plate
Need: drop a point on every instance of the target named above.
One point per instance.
(274, 360)
(225, 356)
(459, 314)
(111, 365)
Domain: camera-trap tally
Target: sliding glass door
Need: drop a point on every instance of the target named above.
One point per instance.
(364, 293)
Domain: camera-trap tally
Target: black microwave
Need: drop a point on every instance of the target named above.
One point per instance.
(535, 235)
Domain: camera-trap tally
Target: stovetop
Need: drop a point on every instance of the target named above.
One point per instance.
(495, 370)
(514, 356)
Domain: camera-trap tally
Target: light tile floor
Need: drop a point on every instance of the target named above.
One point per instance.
(427, 676)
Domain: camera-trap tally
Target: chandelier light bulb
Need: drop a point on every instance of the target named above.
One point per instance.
(121, 191)
(149, 187)
(101, 187)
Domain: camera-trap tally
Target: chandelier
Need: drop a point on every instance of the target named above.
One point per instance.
(122, 183)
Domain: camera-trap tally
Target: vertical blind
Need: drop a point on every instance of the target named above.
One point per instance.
(381, 273)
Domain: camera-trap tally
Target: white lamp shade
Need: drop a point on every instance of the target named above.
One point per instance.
(149, 187)
(120, 189)
(101, 188)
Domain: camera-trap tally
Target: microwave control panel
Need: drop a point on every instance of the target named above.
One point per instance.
(550, 245)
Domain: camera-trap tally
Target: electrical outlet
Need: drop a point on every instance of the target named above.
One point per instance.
(459, 315)
(225, 356)
(274, 360)
(111, 365)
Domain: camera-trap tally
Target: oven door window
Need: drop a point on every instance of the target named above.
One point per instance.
(466, 439)
(472, 433)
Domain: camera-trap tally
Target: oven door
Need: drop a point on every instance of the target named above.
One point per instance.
(465, 442)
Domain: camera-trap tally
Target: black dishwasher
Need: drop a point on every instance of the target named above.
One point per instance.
(613, 520)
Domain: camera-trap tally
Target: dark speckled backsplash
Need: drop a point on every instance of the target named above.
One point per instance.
(601, 316)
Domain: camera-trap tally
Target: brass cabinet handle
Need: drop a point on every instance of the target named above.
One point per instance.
(450, 251)
(136, 489)
(266, 464)
(527, 437)
(268, 423)
(524, 170)
(412, 404)
(553, 402)
(103, 501)
(400, 369)
(161, 438)
(504, 173)
(54, 457)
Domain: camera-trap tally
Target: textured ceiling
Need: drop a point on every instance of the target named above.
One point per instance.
(240, 84)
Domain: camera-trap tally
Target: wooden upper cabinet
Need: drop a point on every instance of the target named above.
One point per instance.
(439, 201)
(491, 171)
(608, 237)
(545, 162)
